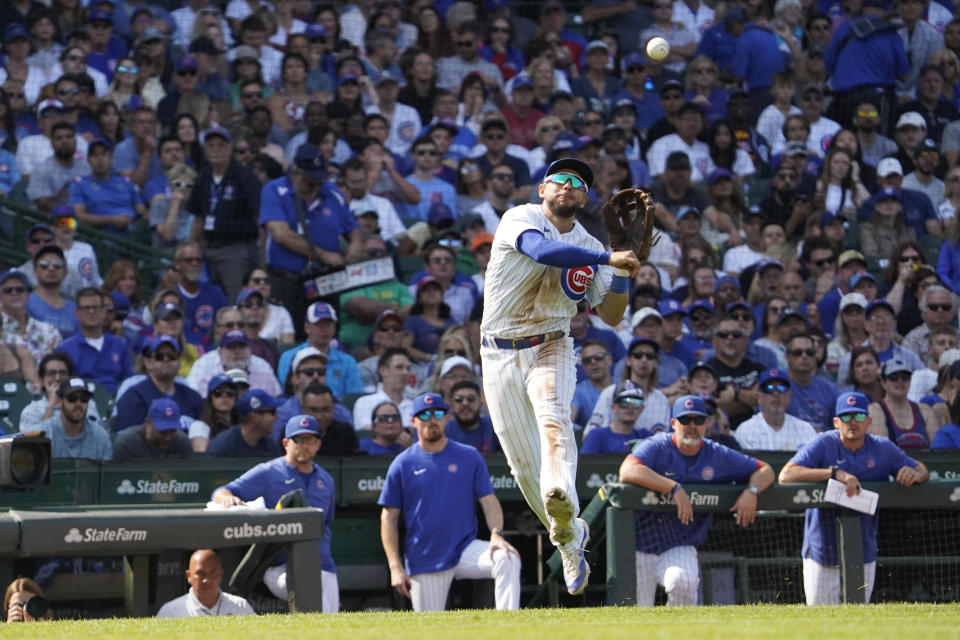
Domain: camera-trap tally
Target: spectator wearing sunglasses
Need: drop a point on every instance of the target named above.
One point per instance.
(467, 425)
(738, 374)
(849, 454)
(938, 308)
(667, 543)
(909, 424)
(47, 302)
(80, 256)
(643, 359)
(881, 328)
(309, 367)
(218, 414)
(252, 308)
(812, 396)
(388, 432)
(99, 356)
(772, 428)
(161, 362)
(621, 434)
(71, 433)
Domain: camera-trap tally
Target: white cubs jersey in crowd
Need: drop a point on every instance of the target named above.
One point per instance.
(525, 298)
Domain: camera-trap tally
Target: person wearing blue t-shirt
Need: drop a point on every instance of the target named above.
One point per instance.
(426, 160)
(812, 395)
(435, 485)
(97, 355)
(620, 436)
(849, 455)
(105, 199)
(272, 480)
(201, 300)
(46, 303)
(466, 425)
(596, 363)
(389, 437)
(667, 544)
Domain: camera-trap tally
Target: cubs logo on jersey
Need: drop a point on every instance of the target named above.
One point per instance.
(575, 282)
(204, 316)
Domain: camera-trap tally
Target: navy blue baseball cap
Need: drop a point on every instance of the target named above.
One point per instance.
(670, 307)
(245, 294)
(876, 304)
(789, 313)
(769, 262)
(216, 130)
(438, 213)
(644, 340)
(100, 15)
(428, 401)
(301, 425)
(316, 31)
(851, 402)
(15, 31)
(857, 278)
(706, 366)
(310, 161)
(165, 414)
(99, 142)
(774, 374)
(522, 81)
(158, 340)
(728, 279)
(185, 62)
(700, 304)
(218, 381)
(579, 167)
(737, 304)
(633, 59)
(166, 309)
(256, 400)
(234, 336)
(689, 406)
(15, 273)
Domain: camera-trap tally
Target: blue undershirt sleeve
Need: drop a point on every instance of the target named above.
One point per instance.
(554, 253)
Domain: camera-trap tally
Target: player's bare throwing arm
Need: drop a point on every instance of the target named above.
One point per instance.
(542, 263)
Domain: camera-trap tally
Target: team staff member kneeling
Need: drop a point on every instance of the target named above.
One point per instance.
(667, 545)
(848, 454)
(295, 470)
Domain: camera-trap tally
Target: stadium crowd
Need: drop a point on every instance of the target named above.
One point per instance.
(803, 154)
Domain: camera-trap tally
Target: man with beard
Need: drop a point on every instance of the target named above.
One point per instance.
(71, 434)
(161, 361)
(435, 484)
(201, 300)
(667, 546)
(738, 376)
(543, 259)
(467, 426)
(50, 181)
(873, 144)
(271, 480)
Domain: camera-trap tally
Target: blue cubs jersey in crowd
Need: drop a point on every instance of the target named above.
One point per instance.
(112, 196)
(877, 459)
(437, 493)
(714, 463)
(605, 440)
(275, 478)
(200, 311)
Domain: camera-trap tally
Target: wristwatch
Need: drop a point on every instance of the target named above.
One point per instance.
(833, 471)
(752, 488)
(498, 532)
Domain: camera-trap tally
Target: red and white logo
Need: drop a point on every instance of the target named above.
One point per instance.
(689, 403)
(707, 473)
(452, 468)
(575, 282)
(851, 401)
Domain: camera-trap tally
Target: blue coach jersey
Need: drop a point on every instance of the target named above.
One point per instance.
(714, 463)
(277, 477)
(877, 459)
(437, 493)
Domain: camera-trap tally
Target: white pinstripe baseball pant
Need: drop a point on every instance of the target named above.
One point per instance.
(529, 393)
(276, 580)
(428, 591)
(821, 583)
(677, 569)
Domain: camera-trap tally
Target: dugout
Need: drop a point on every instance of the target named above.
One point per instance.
(921, 542)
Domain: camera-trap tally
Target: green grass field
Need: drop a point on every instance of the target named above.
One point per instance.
(780, 622)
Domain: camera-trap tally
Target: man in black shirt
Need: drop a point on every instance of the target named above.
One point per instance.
(226, 204)
(338, 438)
(737, 394)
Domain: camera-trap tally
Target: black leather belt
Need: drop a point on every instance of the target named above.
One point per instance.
(521, 343)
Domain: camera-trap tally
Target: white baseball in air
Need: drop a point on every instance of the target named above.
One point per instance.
(658, 48)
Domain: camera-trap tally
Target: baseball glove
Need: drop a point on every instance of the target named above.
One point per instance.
(628, 216)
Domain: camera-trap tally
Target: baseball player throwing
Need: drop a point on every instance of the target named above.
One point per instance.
(542, 263)
(435, 485)
(848, 454)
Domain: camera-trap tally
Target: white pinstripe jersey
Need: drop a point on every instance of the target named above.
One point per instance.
(525, 298)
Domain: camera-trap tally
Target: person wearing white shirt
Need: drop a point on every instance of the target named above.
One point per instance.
(185, 17)
(689, 125)
(923, 381)
(253, 33)
(404, 120)
(695, 15)
(205, 598)
(394, 371)
(772, 428)
(233, 353)
(738, 258)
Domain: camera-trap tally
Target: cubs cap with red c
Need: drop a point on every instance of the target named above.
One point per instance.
(427, 401)
(851, 402)
(165, 414)
(301, 425)
(689, 406)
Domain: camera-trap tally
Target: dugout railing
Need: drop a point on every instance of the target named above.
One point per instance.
(611, 515)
